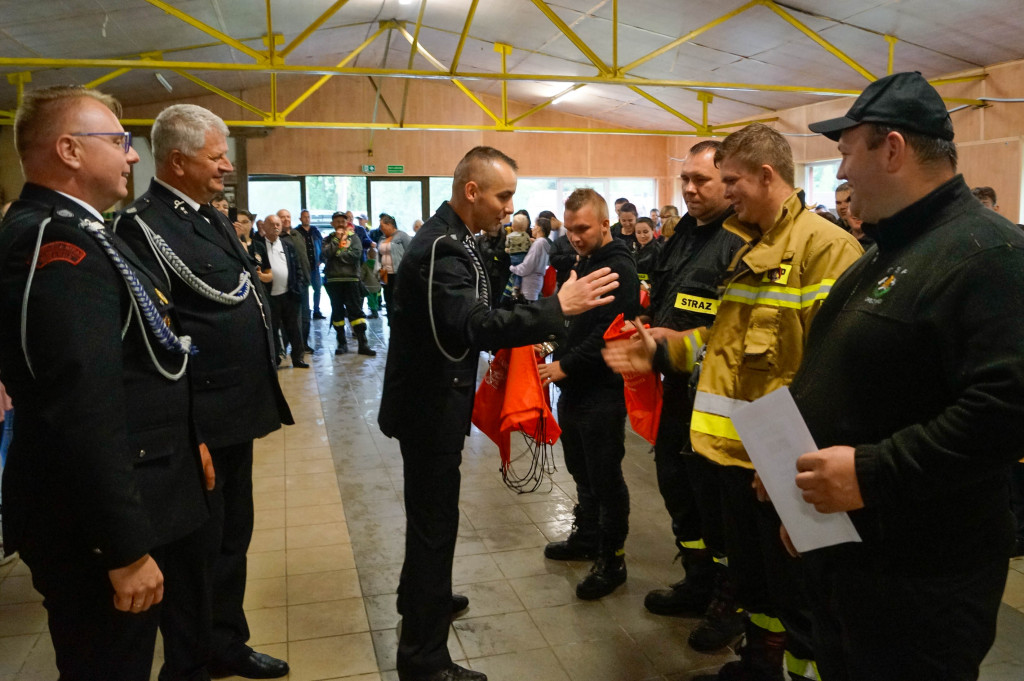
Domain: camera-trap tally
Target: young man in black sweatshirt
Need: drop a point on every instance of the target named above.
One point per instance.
(592, 408)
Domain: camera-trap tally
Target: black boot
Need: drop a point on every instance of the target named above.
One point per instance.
(724, 621)
(364, 347)
(691, 596)
(761, 657)
(342, 343)
(606, 574)
(581, 544)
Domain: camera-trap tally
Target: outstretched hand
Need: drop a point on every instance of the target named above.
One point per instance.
(579, 295)
(633, 355)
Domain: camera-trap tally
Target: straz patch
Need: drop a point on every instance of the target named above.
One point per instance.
(59, 251)
(696, 304)
(779, 275)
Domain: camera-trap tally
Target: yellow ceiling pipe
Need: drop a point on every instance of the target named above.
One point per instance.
(205, 28)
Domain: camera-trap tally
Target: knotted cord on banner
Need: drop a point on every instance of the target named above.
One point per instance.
(510, 398)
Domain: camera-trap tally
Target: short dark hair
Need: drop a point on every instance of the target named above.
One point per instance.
(928, 150)
(219, 196)
(646, 220)
(757, 145)
(388, 220)
(545, 214)
(705, 145)
(545, 225)
(242, 211)
(983, 193)
(628, 208)
(619, 201)
(472, 161)
(844, 187)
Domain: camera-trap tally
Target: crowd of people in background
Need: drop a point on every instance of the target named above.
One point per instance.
(909, 379)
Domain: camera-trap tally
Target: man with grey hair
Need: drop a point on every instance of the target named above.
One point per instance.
(237, 396)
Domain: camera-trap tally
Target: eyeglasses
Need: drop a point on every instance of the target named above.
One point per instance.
(125, 142)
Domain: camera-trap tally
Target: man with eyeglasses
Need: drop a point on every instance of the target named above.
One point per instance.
(104, 481)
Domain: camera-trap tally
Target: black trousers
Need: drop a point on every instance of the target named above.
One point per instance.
(95, 642)
(389, 290)
(346, 301)
(670, 462)
(769, 581)
(594, 442)
(432, 481)
(285, 310)
(228, 535)
(875, 621)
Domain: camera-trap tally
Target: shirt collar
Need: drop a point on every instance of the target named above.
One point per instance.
(184, 197)
(83, 204)
(922, 215)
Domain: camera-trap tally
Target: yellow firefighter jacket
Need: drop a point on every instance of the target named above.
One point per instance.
(771, 292)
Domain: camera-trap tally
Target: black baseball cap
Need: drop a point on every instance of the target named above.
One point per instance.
(339, 214)
(903, 100)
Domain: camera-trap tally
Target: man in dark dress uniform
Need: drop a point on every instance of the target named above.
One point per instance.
(441, 321)
(237, 396)
(104, 483)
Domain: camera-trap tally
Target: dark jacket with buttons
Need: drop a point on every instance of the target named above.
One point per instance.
(438, 328)
(103, 465)
(237, 395)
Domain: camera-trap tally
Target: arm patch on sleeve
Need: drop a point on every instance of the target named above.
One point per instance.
(59, 250)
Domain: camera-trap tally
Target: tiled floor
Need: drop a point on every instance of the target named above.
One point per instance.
(328, 546)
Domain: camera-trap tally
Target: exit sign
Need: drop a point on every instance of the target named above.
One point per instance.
(396, 170)
(369, 169)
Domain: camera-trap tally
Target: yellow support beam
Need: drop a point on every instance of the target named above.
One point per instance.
(412, 56)
(829, 47)
(455, 81)
(571, 35)
(615, 36)
(548, 103)
(35, 62)
(687, 38)
(330, 125)
(654, 100)
(226, 95)
(108, 77)
(462, 37)
(505, 50)
(705, 98)
(207, 29)
(18, 80)
(736, 124)
(891, 39)
(323, 79)
(312, 28)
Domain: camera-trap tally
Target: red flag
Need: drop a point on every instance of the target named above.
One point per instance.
(510, 398)
(642, 391)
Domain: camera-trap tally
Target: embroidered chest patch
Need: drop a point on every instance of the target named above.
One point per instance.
(778, 276)
(59, 251)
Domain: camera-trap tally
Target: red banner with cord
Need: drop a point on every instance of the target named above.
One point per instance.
(642, 391)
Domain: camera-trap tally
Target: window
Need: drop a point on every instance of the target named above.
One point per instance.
(268, 195)
(327, 194)
(820, 183)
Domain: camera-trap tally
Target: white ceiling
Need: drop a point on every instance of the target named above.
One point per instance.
(936, 37)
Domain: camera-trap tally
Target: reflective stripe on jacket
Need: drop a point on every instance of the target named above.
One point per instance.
(772, 291)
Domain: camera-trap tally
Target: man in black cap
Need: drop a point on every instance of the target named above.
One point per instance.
(913, 386)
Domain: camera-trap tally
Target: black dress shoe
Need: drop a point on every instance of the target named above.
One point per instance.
(453, 672)
(299, 364)
(318, 315)
(253, 666)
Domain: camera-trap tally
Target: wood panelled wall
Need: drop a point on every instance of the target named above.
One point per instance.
(991, 140)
